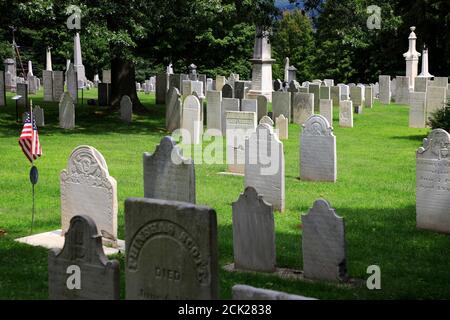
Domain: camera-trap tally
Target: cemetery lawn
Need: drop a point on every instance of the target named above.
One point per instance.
(375, 193)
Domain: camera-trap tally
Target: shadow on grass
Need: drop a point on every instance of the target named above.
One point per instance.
(416, 137)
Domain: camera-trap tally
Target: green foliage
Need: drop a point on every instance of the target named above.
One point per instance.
(440, 119)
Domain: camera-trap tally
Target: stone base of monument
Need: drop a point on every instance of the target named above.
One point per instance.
(292, 274)
(54, 239)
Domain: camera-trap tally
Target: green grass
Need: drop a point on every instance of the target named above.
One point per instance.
(375, 192)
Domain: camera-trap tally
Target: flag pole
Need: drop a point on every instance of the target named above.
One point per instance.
(32, 165)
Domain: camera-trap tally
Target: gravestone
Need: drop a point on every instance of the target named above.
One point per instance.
(171, 251)
(253, 233)
(175, 81)
(106, 76)
(47, 76)
(303, 107)
(83, 253)
(191, 123)
(239, 87)
(436, 99)
(262, 107)
(214, 111)
(174, 112)
(393, 89)
(281, 104)
(243, 292)
(66, 112)
(104, 94)
(421, 84)
(323, 244)
(325, 93)
(126, 109)
(267, 120)
(197, 86)
(318, 150)
(22, 90)
(314, 88)
(228, 104)
(277, 85)
(240, 125)
(249, 105)
(417, 109)
(385, 89)
(58, 85)
(186, 88)
(2, 89)
(161, 88)
(346, 114)
(439, 82)
(220, 82)
(282, 125)
(433, 182)
(264, 166)
(32, 84)
(356, 96)
(326, 110)
(87, 188)
(38, 114)
(294, 87)
(402, 90)
(227, 91)
(167, 174)
(335, 95)
(345, 91)
(368, 97)
(72, 83)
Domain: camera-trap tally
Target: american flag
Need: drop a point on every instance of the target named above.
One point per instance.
(29, 139)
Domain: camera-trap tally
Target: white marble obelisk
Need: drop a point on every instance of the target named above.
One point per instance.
(30, 69)
(48, 65)
(262, 66)
(425, 73)
(412, 59)
(286, 70)
(78, 62)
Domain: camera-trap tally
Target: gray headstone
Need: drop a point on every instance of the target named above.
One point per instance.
(2, 89)
(325, 93)
(58, 85)
(356, 96)
(72, 83)
(303, 107)
(318, 151)
(104, 94)
(228, 104)
(439, 82)
(106, 76)
(262, 107)
(126, 109)
(249, 105)
(38, 114)
(214, 112)
(47, 76)
(253, 233)
(335, 93)
(22, 90)
(281, 104)
(385, 89)
(239, 87)
(83, 256)
(227, 91)
(174, 112)
(314, 88)
(417, 113)
(326, 110)
(346, 114)
(161, 88)
(66, 112)
(167, 174)
(421, 84)
(433, 183)
(368, 97)
(323, 244)
(436, 99)
(171, 250)
(244, 292)
(175, 81)
(402, 90)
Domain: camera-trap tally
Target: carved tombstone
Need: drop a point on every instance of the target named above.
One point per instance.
(282, 127)
(66, 112)
(126, 109)
(346, 114)
(253, 233)
(167, 174)
(433, 182)
(323, 244)
(318, 151)
(174, 112)
(267, 120)
(191, 123)
(87, 188)
(171, 250)
(227, 91)
(302, 107)
(81, 271)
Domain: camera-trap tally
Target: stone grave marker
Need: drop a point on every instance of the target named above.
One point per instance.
(72, 83)
(244, 292)
(356, 96)
(281, 104)
(22, 90)
(66, 112)
(249, 105)
(267, 120)
(2, 89)
(220, 82)
(417, 109)
(368, 97)
(262, 107)
(402, 90)
(335, 94)
(161, 88)
(174, 112)
(421, 84)
(47, 77)
(227, 91)
(126, 109)
(346, 114)
(326, 110)
(436, 99)
(214, 111)
(106, 76)
(282, 125)
(175, 81)
(314, 88)
(191, 123)
(323, 244)
(171, 251)
(228, 104)
(167, 174)
(433, 182)
(239, 87)
(303, 107)
(277, 85)
(253, 233)
(264, 166)
(87, 188)
(318, 151)
(325, 93)
(385, 89)
(38, 114)
(82, 255)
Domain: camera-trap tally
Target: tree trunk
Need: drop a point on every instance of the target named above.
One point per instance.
(123, 82)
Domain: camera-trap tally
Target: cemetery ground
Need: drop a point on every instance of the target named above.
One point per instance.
(375, 193)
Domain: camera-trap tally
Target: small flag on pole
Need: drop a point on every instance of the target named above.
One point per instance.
(29, 139)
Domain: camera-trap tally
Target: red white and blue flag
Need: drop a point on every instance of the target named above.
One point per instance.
(29, 139)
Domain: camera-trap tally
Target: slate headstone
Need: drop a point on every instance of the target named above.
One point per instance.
(227, 91)
(161, 88)
(303, 107)
(262, 107)
(281, 104)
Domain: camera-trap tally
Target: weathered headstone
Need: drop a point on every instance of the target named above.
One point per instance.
(239, 87)
(385, 89)
(161, 88)
(220, 82)
(262, 107)
(417, 102)
(175, 81)
(104, 94)
(335, 95)
(326, 110)
(197, 86)
(249, 105)
(323, 244)
(227, 91)
(126, 109)
(174, 112)
(436, 99)
(267, 120)
(106, 76)
(314, 88)
(303, 107)
(421, 84)
(318, 161)
(253, 233)
(58, 85)
(356, 96)
(325, 93)
(346, 114)
(281, 104)
(81, 271)
(264, 166)
(22, 90)
(171, 250)
(368, 97)
(167, 174)
(243, 292)
(38, 114)
(47, 76)
(345, 91)
(282, 125)
(191, 124)
(214, 110)
(277, 85)
(240, 125)
(402, 90)
(228, 104)
(72, 83)
(439, 82)
(66, 112)
(2, 89)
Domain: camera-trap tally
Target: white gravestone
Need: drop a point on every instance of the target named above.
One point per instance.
(228, 104)
(214, 111)
(249, 105)
(88, 189)
(58, 85)
(326, 110)
(282, 126)
(126, 109)
(264, 166)
(66, 112)
(417, 109)
(385, 89)
(433, 182)
(436, 99)
(318, 151)
(72, 83)
(346, 114)
(267, 120)
(302, 107)
(191, 124)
